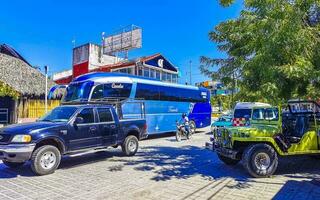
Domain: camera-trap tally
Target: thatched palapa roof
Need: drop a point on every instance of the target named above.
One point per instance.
(21, 77)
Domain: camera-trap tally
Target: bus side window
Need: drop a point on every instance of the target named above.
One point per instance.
(97, 92)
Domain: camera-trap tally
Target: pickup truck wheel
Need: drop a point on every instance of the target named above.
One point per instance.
(130, 145)
(13, 164)
(45, 160)
(228, 161)
(260, 160)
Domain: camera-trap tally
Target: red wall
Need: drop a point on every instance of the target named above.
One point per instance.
(80, 69)
(64, 81)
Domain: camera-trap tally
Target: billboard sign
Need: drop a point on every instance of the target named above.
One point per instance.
(125, 40)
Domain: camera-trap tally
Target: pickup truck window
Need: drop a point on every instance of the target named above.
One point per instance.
(87, 115)
(59, 114)
(105, 115)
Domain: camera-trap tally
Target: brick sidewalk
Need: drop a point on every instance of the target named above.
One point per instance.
(162, 169)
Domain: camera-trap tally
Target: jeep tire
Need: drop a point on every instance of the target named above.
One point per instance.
(130, 145)
(260, 160)
(13, 165)
(228, 161)
(45, 160)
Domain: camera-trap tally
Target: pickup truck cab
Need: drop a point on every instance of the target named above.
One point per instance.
(68, 129)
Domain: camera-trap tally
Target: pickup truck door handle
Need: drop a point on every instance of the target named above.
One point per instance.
(113, 126)
(92, 129)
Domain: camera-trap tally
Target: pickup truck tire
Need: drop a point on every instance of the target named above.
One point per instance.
(228, 161)
(260, 160)
(45, 160)
(13, 165)
(130, 145)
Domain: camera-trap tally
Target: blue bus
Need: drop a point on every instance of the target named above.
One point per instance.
(163, 102)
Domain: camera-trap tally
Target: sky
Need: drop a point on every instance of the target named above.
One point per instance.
(42, 31)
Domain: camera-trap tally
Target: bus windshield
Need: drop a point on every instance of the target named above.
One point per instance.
(78, 92)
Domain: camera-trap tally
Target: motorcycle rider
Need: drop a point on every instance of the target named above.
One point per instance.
(185, 121)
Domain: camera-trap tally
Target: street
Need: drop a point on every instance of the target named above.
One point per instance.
(162, 169)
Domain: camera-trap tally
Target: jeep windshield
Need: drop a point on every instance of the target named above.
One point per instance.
(77, 92)
(59, 114)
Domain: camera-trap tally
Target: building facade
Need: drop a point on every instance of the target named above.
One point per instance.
(89, 58)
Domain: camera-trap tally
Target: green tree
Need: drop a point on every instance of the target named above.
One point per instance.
(273, 50)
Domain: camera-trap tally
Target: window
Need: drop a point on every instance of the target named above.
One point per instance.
(242, 113)
(174, 78)
(87, 115)
(97, 92)
(60, 114)
(114, 90)
(164, 76)
(169, 93)
(271, 114)
(105, 115)
(152, 73)
(140, 72)
(78, 91)
(257, 114)
(147, 92)
(169, 77)
(146, 72)
(158, 75)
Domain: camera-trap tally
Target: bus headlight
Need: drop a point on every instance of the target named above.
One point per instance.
(21, 138)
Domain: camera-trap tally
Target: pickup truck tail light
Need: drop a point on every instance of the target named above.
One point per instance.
(145, 127)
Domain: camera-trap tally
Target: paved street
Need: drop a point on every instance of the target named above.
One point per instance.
(162, 169)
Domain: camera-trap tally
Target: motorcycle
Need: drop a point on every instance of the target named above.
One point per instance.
(182, 132)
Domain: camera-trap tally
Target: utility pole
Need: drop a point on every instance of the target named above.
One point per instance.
(190, 62)
(46, 92)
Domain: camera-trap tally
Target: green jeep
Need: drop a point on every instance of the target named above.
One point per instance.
(273, 132)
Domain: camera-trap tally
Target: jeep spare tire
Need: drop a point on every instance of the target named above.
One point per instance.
(260, 160)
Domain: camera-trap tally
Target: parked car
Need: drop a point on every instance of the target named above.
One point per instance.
(222, 121)
(271, 134)
(68, 129)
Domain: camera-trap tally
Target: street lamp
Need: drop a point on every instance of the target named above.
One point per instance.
(46, 68)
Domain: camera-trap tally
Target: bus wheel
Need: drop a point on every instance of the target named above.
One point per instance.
(193, 127)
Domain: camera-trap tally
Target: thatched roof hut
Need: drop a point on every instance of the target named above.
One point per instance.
(21, 77)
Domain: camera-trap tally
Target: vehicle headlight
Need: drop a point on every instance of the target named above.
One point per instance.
(21, 138)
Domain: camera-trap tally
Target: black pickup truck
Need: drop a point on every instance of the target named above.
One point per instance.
(68, 129)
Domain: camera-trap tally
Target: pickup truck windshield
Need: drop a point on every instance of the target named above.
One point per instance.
(59, 114)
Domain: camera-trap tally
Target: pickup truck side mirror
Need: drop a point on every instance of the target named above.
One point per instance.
(78, 120)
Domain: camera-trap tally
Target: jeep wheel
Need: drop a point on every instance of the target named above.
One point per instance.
(13, 165)
(228, 161)
(45, 160)
(260, 160)
(130, 145)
